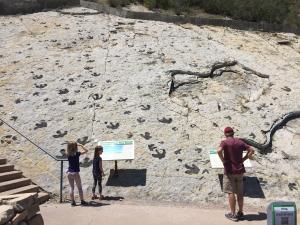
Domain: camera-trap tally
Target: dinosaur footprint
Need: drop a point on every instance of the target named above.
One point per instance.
(178, 151)
(199, 150)
(96, 96)
(292, 186)
(113, 126)
(159, 154)
(143, 107)
(63, 91)
(192, 169)
(164, 120)
(59, 134)
(36, 77)
(41, 124)
(83, 140)
(152, 147)
(8, 139)
(40, 85)
(122, 99)
(141, 120)
(147, 135)
(72, 102)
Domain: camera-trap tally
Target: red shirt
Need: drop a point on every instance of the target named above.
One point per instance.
(233, 155)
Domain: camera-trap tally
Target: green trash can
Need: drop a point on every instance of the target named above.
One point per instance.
(282, 213)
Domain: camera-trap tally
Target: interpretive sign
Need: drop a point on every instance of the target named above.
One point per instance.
(282, 213)
(216, 162)
(117, 150)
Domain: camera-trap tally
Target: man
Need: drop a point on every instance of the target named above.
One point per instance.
(231, 154)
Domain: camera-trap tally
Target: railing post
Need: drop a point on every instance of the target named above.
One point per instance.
(61, 179)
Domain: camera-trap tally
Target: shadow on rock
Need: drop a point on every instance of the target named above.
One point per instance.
(127, 178)
(252, 187)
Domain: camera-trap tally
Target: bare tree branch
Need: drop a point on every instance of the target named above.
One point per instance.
(212, 73)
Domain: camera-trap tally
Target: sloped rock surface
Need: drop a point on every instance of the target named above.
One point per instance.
(100, 77)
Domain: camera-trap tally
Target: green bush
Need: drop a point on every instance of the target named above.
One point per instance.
(285, 12)
(163, 4)
(273, 11)
(118, 3)
(151, 4)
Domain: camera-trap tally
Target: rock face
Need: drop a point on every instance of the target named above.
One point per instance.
(20, 209)
(100, 77)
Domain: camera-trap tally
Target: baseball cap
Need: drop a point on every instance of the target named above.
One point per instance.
(228, 130)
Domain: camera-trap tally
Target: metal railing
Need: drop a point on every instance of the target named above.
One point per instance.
(61, 160)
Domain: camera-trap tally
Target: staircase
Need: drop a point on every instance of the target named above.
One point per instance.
(13, 182)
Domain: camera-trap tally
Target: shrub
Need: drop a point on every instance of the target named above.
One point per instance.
(118, 3)
(151, 4)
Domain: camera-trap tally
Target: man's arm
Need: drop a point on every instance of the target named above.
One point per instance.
(250, 152)
(220, 153)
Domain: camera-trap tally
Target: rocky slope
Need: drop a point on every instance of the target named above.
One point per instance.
(100, 77)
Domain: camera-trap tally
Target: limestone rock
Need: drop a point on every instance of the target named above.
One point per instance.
(19, 218)
(6, 213)
(93, 78)
(36, 220)
(20, 201)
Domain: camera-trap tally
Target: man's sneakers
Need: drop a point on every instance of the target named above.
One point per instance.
(240, 216)
(237, 217)
(232, 217)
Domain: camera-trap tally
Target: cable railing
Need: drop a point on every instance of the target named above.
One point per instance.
(61, 160)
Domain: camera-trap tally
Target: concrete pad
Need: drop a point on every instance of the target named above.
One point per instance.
(135, 214)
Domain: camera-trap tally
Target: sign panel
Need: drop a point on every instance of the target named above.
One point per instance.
(216, 162)
(117, 150)
(284, 215)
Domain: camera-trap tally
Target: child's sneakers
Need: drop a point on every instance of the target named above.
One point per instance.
(94, 197)
(73, 203)
(83, 203)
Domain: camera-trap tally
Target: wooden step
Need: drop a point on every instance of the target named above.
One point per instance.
(3, 161)
(26, 189)
(6, 168)
(43, 197)
(10, 175)
(13, 184)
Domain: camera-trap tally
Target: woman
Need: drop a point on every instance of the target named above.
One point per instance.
(97, 172)
(73, 170)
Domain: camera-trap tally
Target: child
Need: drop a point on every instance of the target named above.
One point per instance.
(73, 170)
(97, 172)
